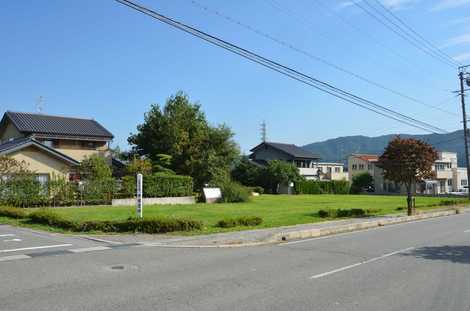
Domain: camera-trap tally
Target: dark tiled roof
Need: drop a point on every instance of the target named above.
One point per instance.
(25, 142)
(13, 144)
(55, 125)
(290, 149)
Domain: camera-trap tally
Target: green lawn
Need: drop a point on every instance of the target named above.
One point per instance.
(276, 210)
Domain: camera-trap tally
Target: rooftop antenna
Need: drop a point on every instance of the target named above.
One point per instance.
(40, 104)
(263, 131)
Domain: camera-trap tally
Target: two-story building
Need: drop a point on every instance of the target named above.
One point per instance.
(52, 145)
(308, 163)
(448, 176)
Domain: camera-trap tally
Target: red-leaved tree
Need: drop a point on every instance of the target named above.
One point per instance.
(408, 161)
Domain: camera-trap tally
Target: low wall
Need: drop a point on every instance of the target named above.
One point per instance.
(175, 200)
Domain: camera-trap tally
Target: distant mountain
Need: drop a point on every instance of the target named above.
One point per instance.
(338, 149)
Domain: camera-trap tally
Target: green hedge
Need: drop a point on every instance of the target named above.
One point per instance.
(341, 213)
(159, 185)
(23, 191)
(240, 221)
(13, 212)
(150, 225)
(322, 187)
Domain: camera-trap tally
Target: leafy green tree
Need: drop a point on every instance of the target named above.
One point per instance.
(279, 172)
(94, 167)
(246, 173)
(407, 162)
(181, 131)
(139, 165)
(360, 182)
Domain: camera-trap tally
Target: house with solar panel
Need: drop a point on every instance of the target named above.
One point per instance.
(52, 145)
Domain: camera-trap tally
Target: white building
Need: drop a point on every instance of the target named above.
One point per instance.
(449, 177)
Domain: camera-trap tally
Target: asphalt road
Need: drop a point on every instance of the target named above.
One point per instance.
(416, 266)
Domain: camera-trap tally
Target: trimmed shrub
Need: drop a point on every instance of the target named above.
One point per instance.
(159, 185)
(165, 185)
(322, 187)
(23, 191)
(240, 221)
(13, 212)
(341, 213)
(150, 225)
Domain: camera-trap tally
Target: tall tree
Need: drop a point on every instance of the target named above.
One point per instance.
(181, 131)
(407, 162)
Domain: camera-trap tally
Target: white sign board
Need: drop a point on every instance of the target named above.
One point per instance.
(140, 205)
(212, 194)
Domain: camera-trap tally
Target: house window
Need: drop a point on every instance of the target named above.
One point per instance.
(440, 166)
(337, 170)
(449, 182)
(369, 167)
(354, 167)
(361, 166)
(89, 144)
(463, 182)
(43, 179)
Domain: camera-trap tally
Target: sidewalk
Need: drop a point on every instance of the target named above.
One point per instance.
(270, 235)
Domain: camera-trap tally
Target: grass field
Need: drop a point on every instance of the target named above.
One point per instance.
(276, 210)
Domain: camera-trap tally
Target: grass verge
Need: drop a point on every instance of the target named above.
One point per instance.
(274, 210)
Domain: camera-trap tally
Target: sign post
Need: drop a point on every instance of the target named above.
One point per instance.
(140, 204)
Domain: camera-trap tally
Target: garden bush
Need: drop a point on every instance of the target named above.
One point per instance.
(159, 185)
(322, 187)
(240, 221)
(13, 212)
(233, 192)
(23, 191)
(150, 225)
(341, 213)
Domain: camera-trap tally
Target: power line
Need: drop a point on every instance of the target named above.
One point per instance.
(287, 71)
(398, 33)
(314, 57)
(423, 39)
(387, 48)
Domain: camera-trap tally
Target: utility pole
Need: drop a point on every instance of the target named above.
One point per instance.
(465, 76)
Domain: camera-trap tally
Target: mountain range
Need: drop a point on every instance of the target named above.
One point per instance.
(338, 149)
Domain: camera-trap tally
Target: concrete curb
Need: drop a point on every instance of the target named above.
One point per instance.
(313, 233)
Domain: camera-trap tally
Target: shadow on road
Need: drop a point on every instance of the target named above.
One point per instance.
(457, 254)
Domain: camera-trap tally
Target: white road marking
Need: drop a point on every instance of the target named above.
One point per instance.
(6, 235)
(317, 276)
(89, 249)
(32, 248)
(14, 257)
(13, 240)
(467, 231)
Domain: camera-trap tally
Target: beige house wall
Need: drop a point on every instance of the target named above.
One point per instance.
(40, 162)
(76, 151)
(9, 132)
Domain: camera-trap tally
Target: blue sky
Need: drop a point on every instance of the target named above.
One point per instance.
(102, 60)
